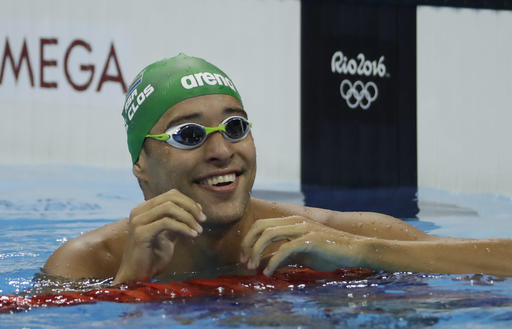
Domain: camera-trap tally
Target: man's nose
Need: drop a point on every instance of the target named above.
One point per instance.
(217, 149)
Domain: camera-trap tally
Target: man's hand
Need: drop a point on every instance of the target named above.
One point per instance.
(153, 229)
(304, 236)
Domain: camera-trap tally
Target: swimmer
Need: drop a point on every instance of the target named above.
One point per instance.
(193, 155)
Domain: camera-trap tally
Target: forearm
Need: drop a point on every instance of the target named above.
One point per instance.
(375, 225)
(491, 256)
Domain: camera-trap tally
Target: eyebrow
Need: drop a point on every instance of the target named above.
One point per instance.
(235, 110)
(183, 119)
(195, 116)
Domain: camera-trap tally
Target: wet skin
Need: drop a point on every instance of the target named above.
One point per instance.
(189, 224)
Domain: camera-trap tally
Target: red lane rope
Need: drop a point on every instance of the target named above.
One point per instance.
(154, 292)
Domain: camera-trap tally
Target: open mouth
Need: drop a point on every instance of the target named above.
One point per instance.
(220, 180)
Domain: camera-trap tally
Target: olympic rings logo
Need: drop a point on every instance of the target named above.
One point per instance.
(359, 94)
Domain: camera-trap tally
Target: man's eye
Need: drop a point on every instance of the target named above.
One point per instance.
(189, 134)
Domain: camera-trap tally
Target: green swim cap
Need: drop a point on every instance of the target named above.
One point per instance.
(164, 84)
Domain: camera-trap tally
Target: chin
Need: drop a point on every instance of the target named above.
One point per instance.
(226, 214)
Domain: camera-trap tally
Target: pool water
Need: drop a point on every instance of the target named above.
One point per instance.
(40, 208)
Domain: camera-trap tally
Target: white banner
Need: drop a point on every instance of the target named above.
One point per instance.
(65, 66)
(64, 63)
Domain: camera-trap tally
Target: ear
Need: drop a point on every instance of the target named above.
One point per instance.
(139, 167)
(140, 171)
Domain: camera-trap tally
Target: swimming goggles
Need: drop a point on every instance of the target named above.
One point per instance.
(191, 135)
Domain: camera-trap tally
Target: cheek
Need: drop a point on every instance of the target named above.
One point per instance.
(167, 176)
(163, 170)
(252, 154)
(250, 148)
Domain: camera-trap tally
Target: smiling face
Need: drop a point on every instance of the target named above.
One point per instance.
(218, 175)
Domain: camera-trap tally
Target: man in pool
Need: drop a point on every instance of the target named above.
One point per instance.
(194, 157)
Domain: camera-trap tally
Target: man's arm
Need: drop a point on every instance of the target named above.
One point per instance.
(443, 255)
(369, 224)
(400, 246)
(371, 240)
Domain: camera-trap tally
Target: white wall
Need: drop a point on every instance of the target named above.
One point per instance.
(464, 99)
(256, 42)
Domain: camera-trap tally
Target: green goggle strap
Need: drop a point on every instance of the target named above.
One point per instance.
(208, 130)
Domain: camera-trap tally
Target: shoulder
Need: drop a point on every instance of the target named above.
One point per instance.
(368, 224)
(269, 209)
(95, 254)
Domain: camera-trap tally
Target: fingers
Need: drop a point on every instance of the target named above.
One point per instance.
(176, 197)
(153, 228)
(168, 209)
(285, 251)
(303, 235)
(274, 234)
(165, 224)
(172, 204)
(259, 227)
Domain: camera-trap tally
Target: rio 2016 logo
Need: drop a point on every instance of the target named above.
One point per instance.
(358, 94)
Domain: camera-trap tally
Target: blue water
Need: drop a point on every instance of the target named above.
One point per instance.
(40, 208)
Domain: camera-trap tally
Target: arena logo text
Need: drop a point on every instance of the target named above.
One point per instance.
(199, 79)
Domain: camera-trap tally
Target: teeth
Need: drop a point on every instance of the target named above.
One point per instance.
(218, 179)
